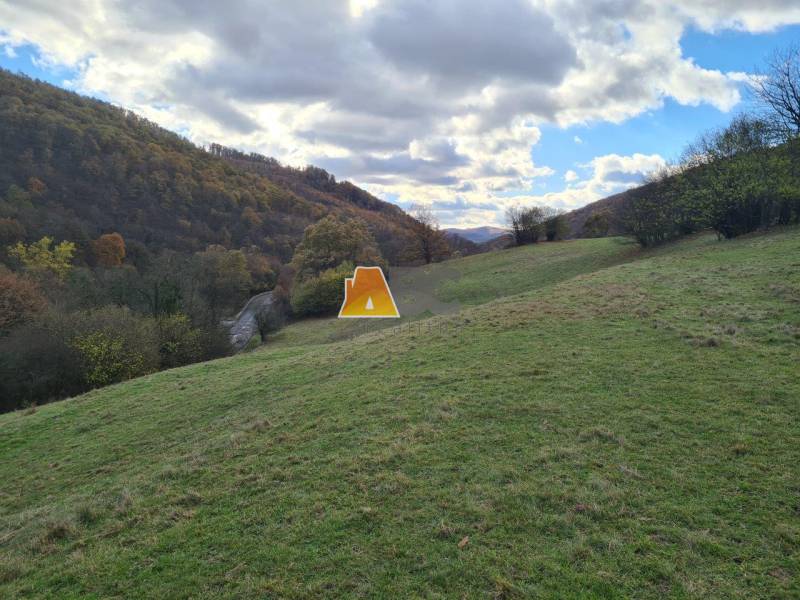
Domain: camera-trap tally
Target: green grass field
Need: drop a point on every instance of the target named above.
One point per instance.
(598, 422)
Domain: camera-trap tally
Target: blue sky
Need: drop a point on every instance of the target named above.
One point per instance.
(373, 90)
(667, 130)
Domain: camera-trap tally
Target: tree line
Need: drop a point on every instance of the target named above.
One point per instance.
(532, 224)
(733, 180)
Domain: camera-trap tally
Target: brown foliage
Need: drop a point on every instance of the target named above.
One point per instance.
(20, 300)
(428, 242)
(109, 250)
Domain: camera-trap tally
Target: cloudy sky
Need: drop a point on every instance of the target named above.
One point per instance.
(466, 105)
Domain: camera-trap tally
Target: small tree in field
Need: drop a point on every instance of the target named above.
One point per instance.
(527, 224)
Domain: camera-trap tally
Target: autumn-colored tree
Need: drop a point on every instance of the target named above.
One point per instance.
(20, 300)
(330, 242)
(428, 242)
(39, 258)
(260, 269)
(251, 218)
(109, 250)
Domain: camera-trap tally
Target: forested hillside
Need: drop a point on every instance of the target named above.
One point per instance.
(123, 246)
(73, 168)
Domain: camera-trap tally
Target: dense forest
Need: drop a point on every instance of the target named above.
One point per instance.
(123, 245)
(73, 168)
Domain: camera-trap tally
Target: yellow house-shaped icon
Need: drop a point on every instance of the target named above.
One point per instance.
(367, 296)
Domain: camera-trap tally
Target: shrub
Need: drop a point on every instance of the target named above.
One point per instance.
(555, 225)
(37, 366)
(321, 295)
(65, 354)
(178, 342)
(114, 344)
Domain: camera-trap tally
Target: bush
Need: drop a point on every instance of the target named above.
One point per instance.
(215, 342)
(37, 366)
(322, 295)
(66, 354)
(114, 344)
(178, 342)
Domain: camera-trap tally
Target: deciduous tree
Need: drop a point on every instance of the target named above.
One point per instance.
(20, 300)
(428, 242)
(109, 250)
(330, 242)
(39, 257)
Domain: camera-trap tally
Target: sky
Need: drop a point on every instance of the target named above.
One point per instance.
(465, 106)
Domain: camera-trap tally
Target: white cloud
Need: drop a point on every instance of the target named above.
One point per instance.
(577, 140)
(610, 174)
(425, 100)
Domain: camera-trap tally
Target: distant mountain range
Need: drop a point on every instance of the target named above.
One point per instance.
(478, 234)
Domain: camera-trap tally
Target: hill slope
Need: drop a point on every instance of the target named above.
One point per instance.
(478, 234)
(611, 206)
(73, 167)
(631, 431)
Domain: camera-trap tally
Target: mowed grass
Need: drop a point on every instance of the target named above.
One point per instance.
(627, 432)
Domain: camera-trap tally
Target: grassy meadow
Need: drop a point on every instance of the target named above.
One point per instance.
(596, 422)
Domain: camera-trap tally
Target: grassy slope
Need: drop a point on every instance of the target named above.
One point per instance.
(627, 432)
(480, 278)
